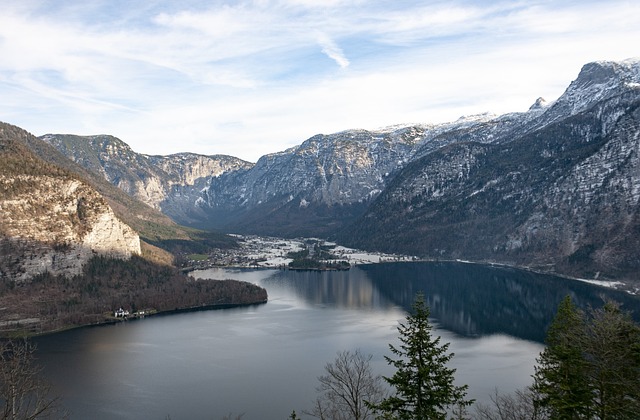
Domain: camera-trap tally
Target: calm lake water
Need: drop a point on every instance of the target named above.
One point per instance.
(263, 360)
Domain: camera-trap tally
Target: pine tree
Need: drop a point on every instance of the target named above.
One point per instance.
(560, 377)
(612, 352)
(591, 365)
(424, 385)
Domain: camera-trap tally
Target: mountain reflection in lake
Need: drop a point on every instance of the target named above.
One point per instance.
(474, 300)
(468, 299)
(264, 360)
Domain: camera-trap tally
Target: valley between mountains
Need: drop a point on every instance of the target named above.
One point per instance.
(553, 189)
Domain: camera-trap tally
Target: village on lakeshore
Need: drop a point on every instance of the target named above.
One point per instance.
(280, 253)
(269, 252)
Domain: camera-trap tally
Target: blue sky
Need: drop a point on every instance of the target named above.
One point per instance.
(247, 78)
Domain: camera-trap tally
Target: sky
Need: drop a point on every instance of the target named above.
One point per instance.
(248, 78)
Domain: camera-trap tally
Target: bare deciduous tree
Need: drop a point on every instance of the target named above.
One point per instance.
(518, 406)
(347, 388)
(24, 395)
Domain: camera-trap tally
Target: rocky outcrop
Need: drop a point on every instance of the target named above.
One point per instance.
(50, 220)
(57, 225)
(170, 183)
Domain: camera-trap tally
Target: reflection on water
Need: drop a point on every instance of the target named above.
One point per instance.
(351, 289)
(475, 300)
(468, 299)
(264, 360)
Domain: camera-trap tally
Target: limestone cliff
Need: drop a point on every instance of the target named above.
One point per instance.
(171, 183)
(51, 220)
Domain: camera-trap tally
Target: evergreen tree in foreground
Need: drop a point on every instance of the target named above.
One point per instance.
(560, 377)
(423, 384)
(612, 353)
(590, 368)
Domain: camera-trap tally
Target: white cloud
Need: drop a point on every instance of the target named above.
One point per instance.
(250, 77)
(332, 50)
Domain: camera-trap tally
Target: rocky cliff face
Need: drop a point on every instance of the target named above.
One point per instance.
(50, 220)
(328, 177)
(559, 191)
(168, 183)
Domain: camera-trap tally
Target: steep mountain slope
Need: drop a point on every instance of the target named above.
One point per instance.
(50, 219)
(168, 183)
(155, 229)
(322, 182)
(560, 192)
(316, 188)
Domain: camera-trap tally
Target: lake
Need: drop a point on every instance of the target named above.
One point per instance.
(264, 360)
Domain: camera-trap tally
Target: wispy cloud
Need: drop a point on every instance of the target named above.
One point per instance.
(332, 50)
(251, 77)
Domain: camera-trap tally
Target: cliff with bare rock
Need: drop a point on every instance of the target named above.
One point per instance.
(50, 220)
(68, 259)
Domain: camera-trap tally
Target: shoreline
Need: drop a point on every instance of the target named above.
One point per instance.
(114, 321)
(265, 252)
(619, 285)
(609, 284)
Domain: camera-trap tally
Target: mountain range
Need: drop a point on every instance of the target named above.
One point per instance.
(555, 188)
(557, 191)
(170, 184)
